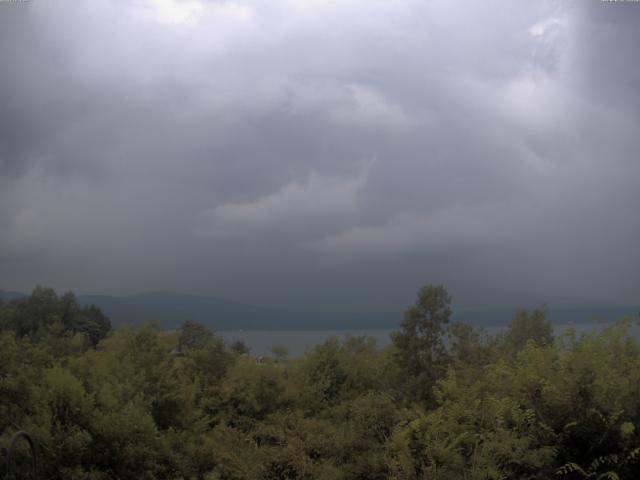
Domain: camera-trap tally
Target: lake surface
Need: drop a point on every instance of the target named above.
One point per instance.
(299, 341)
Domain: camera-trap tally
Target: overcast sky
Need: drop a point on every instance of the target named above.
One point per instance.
(335, 153)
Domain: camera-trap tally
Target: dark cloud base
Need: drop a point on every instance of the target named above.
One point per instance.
(247, 154)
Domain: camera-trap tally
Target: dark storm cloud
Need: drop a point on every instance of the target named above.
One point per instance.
(321, 152)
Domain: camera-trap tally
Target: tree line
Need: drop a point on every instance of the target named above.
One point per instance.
(443, 401)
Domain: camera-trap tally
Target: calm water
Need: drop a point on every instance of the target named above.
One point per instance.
(298, 341)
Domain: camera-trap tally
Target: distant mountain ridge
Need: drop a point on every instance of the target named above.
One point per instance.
(171, 309)
(6, 295)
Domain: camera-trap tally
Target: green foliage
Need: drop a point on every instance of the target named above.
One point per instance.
(239, 347)
(528, 326)
(44, 314)
(280, 352)
(611, 467)
(420, 350)
(193, 336)
(150, 404)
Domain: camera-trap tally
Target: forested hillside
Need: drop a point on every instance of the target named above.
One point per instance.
(443, 401)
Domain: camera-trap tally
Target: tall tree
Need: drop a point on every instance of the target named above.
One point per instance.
(94, 324)
(420, 350)
(193, 336)
(529, 326)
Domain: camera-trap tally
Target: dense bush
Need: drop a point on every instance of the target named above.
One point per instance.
(146, 403)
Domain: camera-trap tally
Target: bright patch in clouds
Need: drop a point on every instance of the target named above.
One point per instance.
(173, 11)
(317, 197)
(542, 27)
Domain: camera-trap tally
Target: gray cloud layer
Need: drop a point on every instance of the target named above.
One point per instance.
(336, 153)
